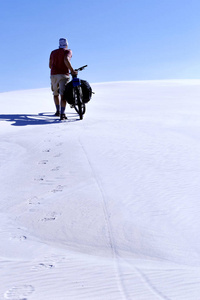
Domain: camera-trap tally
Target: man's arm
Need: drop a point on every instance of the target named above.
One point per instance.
(69, 66)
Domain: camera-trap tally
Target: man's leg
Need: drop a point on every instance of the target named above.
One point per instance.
(56, 100)
(62, 85)
(63, 106)
(57, 104)
(54, 88)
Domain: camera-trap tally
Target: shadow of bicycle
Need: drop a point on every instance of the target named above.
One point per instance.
(34, 119)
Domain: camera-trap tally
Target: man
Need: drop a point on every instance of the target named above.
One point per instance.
(59, 63)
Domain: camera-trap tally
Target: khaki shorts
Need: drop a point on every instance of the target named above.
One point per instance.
(58, 83)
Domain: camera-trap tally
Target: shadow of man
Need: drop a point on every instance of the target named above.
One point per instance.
(29, 119)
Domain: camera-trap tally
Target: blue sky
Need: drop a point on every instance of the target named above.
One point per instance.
(119, 40)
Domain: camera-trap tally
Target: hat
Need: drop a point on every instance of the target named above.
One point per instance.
(63, 43)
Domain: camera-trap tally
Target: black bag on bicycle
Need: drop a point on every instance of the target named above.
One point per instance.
(68, 93)
(86, 90)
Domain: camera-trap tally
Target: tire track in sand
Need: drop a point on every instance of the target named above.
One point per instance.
(111, 239)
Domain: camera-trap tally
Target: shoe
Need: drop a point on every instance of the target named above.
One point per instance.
(57, 114)
(63, 117)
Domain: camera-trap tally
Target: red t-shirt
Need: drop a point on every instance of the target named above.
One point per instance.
(57, 61)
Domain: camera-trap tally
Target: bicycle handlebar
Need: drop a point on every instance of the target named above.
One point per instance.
(81, 68)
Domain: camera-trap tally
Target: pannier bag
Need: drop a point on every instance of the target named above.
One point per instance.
(86, 90)
(68, 93)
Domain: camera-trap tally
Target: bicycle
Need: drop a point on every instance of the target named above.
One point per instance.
(78, 104)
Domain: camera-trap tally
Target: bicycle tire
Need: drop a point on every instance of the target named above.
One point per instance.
(79, 106)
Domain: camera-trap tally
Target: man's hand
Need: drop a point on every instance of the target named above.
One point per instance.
(73, 72)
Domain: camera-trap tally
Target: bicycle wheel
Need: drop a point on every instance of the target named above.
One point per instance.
(79, 105)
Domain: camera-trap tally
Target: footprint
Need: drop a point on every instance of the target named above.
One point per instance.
(40, 178)
(18, 238)
(47, 150)
(59, 188)
(19, 292)
(50, 217)
(43, 162)
(58, 155)
(56, 169)
(33, 201)
(43, 266)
